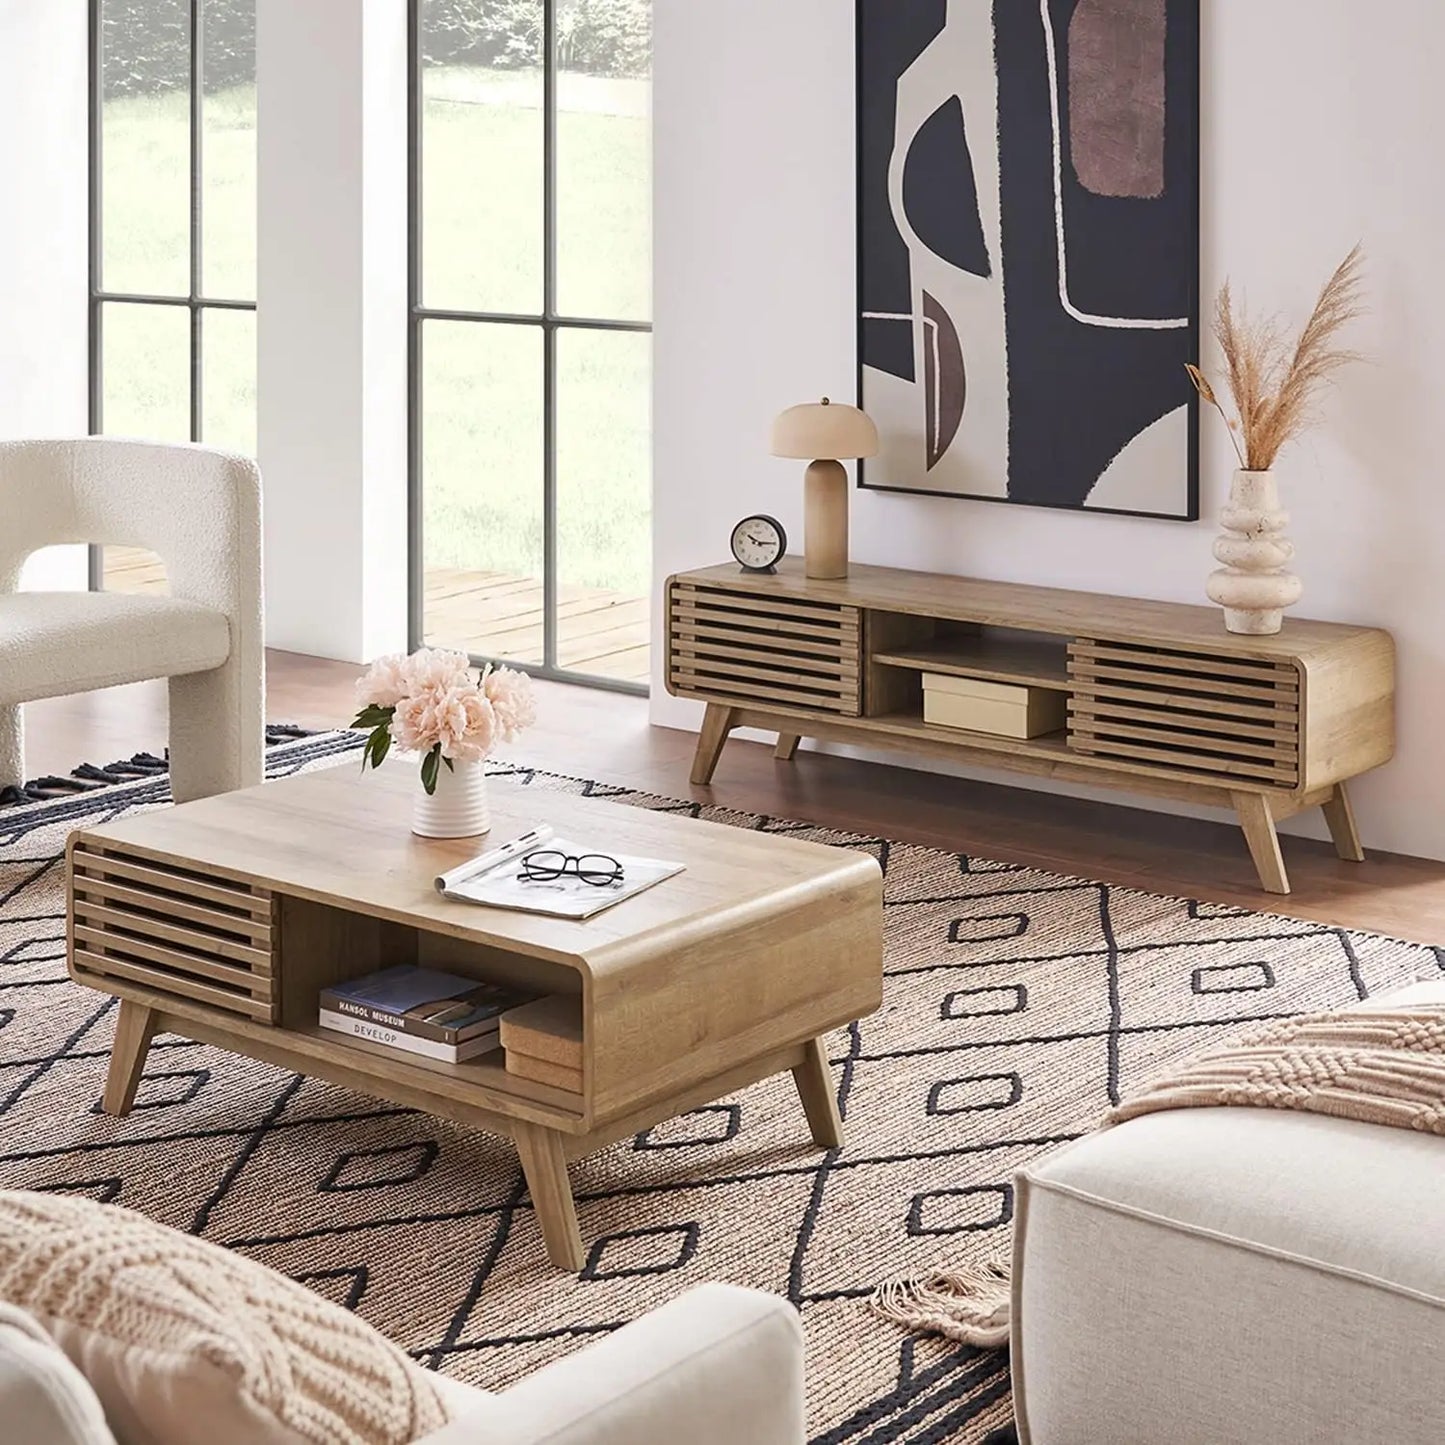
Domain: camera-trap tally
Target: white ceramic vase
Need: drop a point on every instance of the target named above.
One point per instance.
(1253, 586)
(458, 808)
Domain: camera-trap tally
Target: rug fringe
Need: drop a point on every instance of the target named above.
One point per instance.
(969, 1304)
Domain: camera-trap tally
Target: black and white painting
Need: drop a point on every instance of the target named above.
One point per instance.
(1028, 249)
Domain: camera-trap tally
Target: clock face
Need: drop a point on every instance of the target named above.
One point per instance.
(758, 542)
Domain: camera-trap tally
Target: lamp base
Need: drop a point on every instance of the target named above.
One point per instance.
(825, 520)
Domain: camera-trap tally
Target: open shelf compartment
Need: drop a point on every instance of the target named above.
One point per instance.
(321, 945)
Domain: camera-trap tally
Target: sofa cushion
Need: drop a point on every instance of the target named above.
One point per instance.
(170, 1330)
(56, 643)
(1207, 1276)
(44, 1399)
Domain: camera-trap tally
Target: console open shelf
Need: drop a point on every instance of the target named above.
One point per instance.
(1031, 661)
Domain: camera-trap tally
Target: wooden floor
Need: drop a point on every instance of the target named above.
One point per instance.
(488, 614)
(602, 735)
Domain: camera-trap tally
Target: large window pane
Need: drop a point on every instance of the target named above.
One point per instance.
(604, 502)
(228, 380)
(228, 149)
(145, 146)
(481, 128)
(482, 488)
(604, 159)
(147, 358)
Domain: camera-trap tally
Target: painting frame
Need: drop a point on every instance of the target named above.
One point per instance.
(870, 476)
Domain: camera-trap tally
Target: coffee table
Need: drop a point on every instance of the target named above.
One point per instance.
(222, 920)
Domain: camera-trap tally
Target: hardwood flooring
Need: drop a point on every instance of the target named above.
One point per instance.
(602, 735)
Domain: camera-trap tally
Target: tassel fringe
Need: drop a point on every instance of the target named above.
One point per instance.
(970, 1304)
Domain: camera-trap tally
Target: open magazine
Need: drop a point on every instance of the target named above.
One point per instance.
(501, 882)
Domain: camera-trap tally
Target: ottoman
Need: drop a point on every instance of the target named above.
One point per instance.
(1222, 1276)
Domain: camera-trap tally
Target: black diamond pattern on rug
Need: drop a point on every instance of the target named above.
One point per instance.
(1018, 1006)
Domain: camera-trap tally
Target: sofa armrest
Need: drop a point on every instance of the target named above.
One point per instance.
(717, 1366)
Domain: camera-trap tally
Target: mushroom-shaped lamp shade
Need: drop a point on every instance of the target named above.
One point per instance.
(824, 430)
(824, 435)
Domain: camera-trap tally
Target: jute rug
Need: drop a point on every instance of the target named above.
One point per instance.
(1018, 1006)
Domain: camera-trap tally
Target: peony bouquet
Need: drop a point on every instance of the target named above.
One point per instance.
(431, 703)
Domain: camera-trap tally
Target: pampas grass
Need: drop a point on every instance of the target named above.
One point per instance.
(1272, 384)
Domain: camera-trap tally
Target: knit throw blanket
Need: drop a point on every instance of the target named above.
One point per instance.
(1373, 1063)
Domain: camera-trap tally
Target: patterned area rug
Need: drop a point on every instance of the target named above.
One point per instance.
(1018, 1006)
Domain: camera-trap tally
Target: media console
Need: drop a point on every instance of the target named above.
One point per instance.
(1160, 699)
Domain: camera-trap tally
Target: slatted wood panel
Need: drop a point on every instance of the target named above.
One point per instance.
(1227, 717)
(796, 653)
(195, 936)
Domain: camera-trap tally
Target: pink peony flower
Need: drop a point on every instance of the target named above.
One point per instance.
(510, 693)
(460, 719)
(386, 682)
(437, 702)
(435, 668)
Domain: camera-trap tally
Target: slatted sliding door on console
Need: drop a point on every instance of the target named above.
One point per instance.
(1232, 717)
(797, 653)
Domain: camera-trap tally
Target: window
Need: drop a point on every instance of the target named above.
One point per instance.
(172, 232)
(530, 345)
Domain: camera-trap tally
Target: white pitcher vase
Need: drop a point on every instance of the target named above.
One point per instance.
(458, 808)
(1253, 586)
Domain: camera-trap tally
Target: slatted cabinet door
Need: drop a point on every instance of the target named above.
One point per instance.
(135, 919)
(1219, 716)
(795, 653)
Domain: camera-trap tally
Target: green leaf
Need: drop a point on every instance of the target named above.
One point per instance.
(430, 766)
(451, 766)
(372, 716)
(380, 746)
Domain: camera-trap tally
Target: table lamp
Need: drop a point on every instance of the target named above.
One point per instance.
(825, 435)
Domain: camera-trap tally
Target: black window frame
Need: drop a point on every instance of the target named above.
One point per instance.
(549, 321)
(194, 302)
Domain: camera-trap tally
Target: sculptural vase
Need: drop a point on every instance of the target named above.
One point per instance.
(1253, 586)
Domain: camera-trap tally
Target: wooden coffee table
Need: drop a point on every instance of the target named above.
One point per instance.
(221, 920)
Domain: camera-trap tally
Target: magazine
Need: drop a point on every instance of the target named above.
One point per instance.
(505, 885)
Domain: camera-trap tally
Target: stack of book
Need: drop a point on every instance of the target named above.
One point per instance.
(420, 1011)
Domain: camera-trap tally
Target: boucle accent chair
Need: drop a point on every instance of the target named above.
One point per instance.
(200, 511)
(104, 1309)
(1217, 1276)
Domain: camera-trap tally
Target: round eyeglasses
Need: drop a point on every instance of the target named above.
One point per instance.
(548, 865)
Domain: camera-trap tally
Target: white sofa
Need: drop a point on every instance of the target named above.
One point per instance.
(717, 1366)
(1223, 1276)
(200, 510)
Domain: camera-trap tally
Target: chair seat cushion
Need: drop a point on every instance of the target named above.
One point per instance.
(1207, 1276)
(56, 643)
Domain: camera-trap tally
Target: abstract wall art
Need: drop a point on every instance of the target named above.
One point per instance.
(1028, 250)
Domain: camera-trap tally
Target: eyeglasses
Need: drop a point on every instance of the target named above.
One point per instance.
(548, 865)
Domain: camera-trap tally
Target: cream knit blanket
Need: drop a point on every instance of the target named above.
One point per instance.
(1374, 1063)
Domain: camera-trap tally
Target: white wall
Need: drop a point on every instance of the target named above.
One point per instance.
(43, 247)
(331, 307)
(1321, 126)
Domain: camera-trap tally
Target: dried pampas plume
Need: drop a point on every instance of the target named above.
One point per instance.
(1272, 384)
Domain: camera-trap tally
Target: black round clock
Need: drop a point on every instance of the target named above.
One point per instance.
(758, 543)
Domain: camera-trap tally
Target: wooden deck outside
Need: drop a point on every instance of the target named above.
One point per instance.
(489, 614)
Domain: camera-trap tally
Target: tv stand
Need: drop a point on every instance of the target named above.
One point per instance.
(1161, 699)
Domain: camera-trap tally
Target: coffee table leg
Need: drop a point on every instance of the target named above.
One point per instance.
(134, 1026)
(820, 1100)
(545, 1167)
